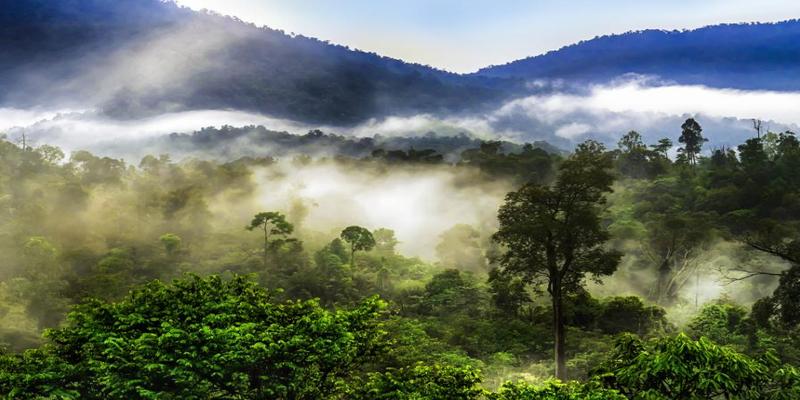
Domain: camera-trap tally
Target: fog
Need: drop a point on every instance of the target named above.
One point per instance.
(421, 203)
(418, 203)
(562, 118)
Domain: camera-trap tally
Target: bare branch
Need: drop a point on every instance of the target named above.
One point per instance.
(747, 275)
(772, 250)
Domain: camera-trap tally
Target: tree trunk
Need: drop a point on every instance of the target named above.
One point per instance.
(663, 297)
(266, 245)
(558, 330)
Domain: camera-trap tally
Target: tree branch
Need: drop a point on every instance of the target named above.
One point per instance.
(747, 275)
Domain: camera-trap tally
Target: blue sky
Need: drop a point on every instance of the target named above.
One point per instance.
(464, 35)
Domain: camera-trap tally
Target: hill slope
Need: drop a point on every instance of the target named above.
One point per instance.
(744, 56)
(134, 57)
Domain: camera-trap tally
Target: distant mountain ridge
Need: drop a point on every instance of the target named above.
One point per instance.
(64, 49)
(759, 56)
(132, 58)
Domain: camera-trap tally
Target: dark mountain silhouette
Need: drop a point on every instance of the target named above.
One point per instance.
(743, 56)
(131, 58)
(135, 57)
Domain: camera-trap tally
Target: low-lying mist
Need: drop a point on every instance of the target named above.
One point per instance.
(418, 203)
(562, 118)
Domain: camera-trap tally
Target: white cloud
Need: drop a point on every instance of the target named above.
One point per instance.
(573, 130)
(678, 100)
(602, 112)
(87, 129)
(417, 203)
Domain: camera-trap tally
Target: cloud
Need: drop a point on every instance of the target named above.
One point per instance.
(605, 112)
(600, 112)
(75, 130)
(417, 203)
(573, 130)
(635, 97)
(13, 118)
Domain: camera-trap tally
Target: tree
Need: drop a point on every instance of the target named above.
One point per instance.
(631, 142)
(752, 154)
(450, 292)
(553, 235)
(692, 139)
(722, 322)
(423, 382)
(681, 368)
(674, 243)
(554, 390)
(199, 338)
(171, 242)
(385, 241)
(634, 156)
(662, 147)
(630, 314)
(272, 224)
(360, 239)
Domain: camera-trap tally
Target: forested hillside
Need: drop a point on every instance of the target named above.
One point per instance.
(140, 57)
(623, 272)
(135, 58)
(742, 56)
(230, 143)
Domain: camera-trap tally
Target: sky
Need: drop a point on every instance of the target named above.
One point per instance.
(465, 35)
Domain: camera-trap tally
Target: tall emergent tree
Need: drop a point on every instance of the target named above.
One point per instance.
(272, 224)
(692, 139)
(553, 236)
(662, 147)
(360, 239)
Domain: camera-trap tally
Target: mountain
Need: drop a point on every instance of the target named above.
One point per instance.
(139, 57)
(763, 56)
(135, 58)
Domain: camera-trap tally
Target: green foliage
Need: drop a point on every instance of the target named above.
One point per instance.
(532, 164)
(547, 229)
(721, 322)
(276, 231)
(554, 390)
(636, 161)
(385, 241)
(681, 368)
(450, 292)
(360, 239)
(630, 314)
(423, 382)
(228, 338)
(554, 236)
(201, 338)
(171, 242)
(692, 139)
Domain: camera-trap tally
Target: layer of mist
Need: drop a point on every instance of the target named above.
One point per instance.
(562, 118)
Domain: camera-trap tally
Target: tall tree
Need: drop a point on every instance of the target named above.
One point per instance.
(359, 239)
(692, 139)
(273, 224)
(662, 147)
(553, 236)
(633, 155)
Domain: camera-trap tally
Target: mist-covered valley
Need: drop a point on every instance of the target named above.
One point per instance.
(194, 206)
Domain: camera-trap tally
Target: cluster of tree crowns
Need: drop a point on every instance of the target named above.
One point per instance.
(554, 232)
